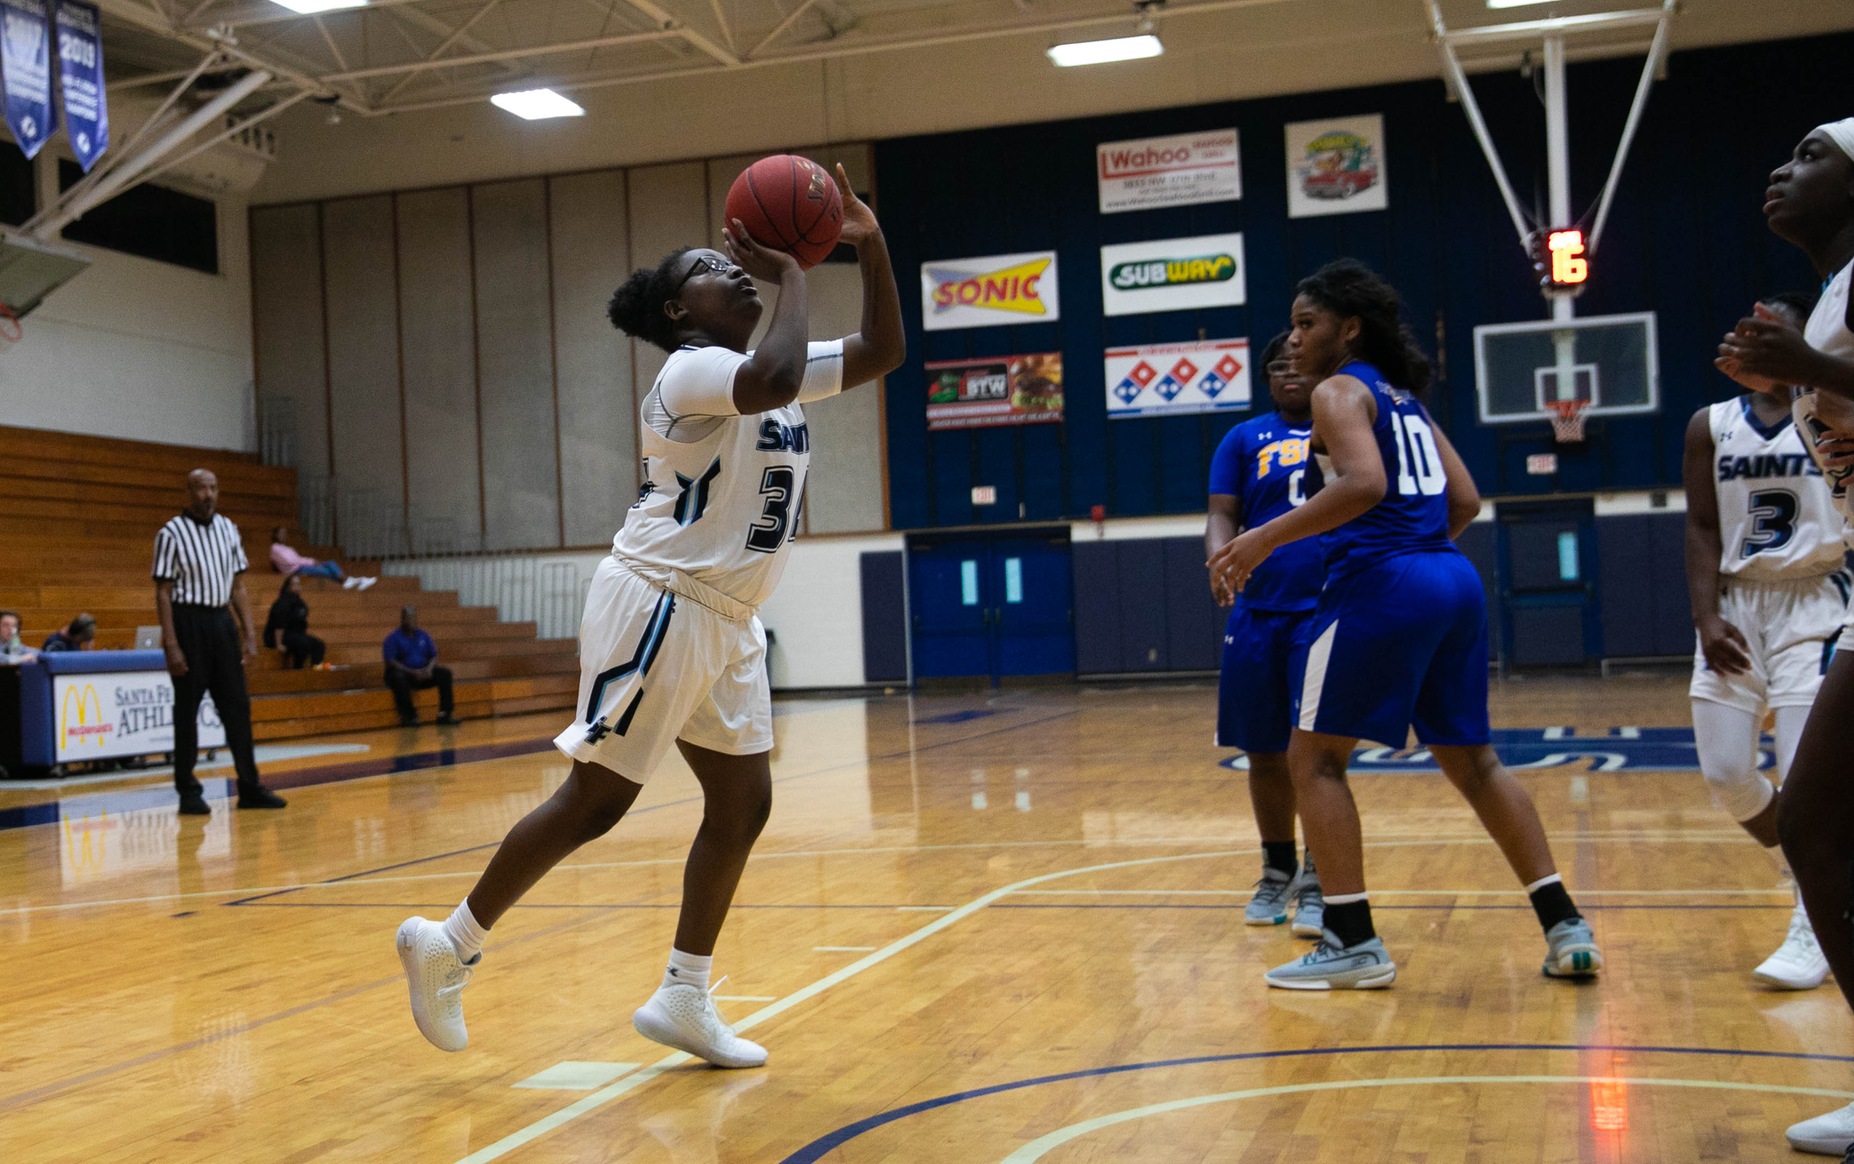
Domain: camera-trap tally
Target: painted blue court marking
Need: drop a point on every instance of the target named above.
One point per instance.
(1621, 749)
(824, 1145)
(962, 716)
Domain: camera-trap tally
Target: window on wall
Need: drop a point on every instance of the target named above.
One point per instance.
(17, 200)
(150, 221)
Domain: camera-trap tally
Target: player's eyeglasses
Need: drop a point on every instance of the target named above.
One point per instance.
(696, 268)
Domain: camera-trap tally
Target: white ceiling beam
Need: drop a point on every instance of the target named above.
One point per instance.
(1553, 26)
(499, 55)
(847, 46)
(462, 33)
(788, 22)
(665, 19)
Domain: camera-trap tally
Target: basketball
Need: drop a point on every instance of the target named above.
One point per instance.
(790, 204)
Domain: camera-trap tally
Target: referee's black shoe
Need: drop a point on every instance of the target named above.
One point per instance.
(258, 796)
(193, 804)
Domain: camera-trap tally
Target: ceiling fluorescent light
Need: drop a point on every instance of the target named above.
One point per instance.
(311, 7)
(1516, 3)
(537, 104)
(1100, 52)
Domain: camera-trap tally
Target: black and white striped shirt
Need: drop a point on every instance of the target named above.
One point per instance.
(201, 560)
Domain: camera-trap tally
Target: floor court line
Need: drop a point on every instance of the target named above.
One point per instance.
(247, 894)
(831, 1141)
(1038, 1148)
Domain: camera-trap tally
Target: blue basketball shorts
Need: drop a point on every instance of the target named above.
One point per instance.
(1401, 643)
(1255, 703)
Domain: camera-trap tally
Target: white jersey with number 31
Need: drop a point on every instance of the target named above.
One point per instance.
(1777, 518)
(721, 493)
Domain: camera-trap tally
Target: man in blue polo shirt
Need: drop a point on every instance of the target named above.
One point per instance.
(411, 664)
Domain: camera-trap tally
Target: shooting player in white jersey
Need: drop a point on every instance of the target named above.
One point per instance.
(671, 651)
(1767, 578)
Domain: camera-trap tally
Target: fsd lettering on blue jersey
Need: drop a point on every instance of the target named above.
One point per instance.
(1413, 516)
(1267, 465)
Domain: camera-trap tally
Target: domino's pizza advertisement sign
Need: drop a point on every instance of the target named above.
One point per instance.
(1182, 170)
(1178, 379)
(25, 72)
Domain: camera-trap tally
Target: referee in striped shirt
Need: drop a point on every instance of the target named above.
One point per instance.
(199, 565)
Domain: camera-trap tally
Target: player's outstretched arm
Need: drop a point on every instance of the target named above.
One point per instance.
(1722, 644)
(1464, 496)
(878, 348)
(1343, 415)
(1765, 346)
(772, 376)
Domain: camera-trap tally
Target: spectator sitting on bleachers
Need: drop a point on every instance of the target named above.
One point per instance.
(411, 663)
(285, 560)
(288, 628)
(12, 651)
(81, 635)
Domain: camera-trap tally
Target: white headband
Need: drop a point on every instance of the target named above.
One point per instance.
(1841, 133)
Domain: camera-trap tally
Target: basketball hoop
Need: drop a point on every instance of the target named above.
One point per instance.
(11, 330)
(1567, 420)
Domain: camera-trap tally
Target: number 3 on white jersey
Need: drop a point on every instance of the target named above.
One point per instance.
(1419, 462)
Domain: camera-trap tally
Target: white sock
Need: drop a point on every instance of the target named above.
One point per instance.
(1347, 898)
(464, 932)
(1542, 882)
(688, 969)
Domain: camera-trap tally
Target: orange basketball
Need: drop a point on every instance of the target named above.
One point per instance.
(790, 204)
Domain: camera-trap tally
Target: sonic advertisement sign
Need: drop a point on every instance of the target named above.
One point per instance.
(1336, 166)
(989, 292)
(122, 713)
(1173, 275)
(1184, 170)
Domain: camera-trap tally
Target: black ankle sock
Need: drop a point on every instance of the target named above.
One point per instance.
(1279, 856)
(1350, 922)
(1551, 903)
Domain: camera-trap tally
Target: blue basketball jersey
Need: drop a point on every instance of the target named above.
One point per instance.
(1267, 465)
(1413, 517)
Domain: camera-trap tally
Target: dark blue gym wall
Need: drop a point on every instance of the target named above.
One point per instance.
(1686, 238)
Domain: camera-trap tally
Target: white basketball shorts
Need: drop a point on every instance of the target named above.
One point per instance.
(1791, 627)
(656, 666)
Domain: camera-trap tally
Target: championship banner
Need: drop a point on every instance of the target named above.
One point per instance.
(1336, 166)
(80, 75)
(989, 292)
(122, 713)
(1173, 275)
(25, 73)
(1177, 379)
(1183, 170)
(1006, 390)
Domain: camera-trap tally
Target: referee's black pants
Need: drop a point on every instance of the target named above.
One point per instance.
(214, 649)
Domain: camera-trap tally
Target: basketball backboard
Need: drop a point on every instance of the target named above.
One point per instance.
(30, 270)
(1609, 361)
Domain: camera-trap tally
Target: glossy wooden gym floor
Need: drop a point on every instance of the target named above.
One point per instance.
(978, 928)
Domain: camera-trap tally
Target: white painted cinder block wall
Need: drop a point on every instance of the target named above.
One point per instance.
(143, 350)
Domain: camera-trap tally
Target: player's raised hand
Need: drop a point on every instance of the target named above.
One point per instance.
(1836, 451)
(1723, 646)
(1232, 565)
(1765, 346)
(859, 222)
(762, 262)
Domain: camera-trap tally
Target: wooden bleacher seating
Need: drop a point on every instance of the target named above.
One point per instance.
(78, 516)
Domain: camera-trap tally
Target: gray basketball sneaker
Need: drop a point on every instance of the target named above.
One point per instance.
(1331, 966)
(1269, 905)
(1309, 906)
(1572, 950)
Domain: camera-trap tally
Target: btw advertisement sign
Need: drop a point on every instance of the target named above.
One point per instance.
(122, 713)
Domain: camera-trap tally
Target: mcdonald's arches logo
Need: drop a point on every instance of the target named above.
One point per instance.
(80, 719)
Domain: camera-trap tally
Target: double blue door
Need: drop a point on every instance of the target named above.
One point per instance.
(991, 607)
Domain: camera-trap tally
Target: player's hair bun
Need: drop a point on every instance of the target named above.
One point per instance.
(636, 308)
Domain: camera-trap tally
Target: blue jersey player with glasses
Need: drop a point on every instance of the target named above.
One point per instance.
(1263, 468)
(1399, 636)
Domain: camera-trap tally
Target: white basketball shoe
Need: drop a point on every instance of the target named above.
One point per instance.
(1825, 1135)
(1798, 963)
(435, 978)
(683, 1016)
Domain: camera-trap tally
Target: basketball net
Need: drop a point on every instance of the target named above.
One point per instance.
(1567, 420)
(11, 330)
